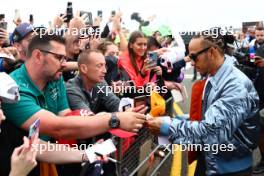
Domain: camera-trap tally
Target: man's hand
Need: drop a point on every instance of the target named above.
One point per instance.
(59, 20)
(131, 121)
(259, 63)
(78, 22)
(173, 85)
(94, 42)
(154, 125)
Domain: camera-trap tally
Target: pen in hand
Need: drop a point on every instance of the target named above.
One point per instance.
(109, 158)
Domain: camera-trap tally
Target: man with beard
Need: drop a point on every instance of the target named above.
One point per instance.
(228, 115)
(259, 38)
(43, 96)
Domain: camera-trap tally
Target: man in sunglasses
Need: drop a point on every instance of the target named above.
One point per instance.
(228, 117)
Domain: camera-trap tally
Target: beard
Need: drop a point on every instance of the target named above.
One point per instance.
(260, 42)
(53, 76)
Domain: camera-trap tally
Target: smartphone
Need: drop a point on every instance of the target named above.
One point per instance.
(69, 12)
(100, 13)
(140, 100)
(89, 17)
(113, 13)
(3, 25)
(34, 131)
(31, 18)
(17, 14)
(153, 56)
(2, 17)
(153, 59)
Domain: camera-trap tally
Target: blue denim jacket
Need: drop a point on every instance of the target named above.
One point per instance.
(230, 119)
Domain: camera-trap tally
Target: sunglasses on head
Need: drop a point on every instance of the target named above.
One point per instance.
(194, 56)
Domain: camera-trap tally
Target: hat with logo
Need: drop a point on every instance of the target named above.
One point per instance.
(22, 31)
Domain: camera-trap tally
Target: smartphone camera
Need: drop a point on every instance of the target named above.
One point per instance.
(2, 17)
(100, 13)
(113, 13)
(69, 12)
(153, 58)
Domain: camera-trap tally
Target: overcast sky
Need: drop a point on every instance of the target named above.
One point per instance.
(185, 14)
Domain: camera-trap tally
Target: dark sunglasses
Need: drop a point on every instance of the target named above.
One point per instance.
(59, 57)
(194, 56)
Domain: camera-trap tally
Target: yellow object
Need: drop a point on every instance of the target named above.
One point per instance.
(178, 167)
(157, 105)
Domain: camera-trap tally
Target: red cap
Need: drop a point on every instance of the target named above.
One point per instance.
(122, 133)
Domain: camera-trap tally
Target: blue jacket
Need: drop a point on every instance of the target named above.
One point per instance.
(229, 119)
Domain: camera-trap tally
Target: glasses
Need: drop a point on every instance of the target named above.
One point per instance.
(59, 57)
(194, 56)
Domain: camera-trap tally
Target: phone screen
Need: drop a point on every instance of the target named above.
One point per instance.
(140, 100)
(153, 59)
(34, 131)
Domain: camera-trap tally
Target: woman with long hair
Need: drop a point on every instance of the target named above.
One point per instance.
(135, 60)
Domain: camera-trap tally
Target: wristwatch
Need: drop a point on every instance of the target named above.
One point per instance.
(114, 122)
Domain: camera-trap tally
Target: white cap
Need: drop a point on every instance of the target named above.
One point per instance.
(9, 91)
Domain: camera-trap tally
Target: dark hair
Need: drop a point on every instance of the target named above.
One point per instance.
(84, 56)
(103, 46)
(43, 42)
(210, 40)
(132, 55)
(152, 41)
(259, 28)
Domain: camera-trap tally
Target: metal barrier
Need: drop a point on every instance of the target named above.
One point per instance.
(138, 159)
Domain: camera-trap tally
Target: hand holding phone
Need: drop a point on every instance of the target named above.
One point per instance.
(153, 59)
